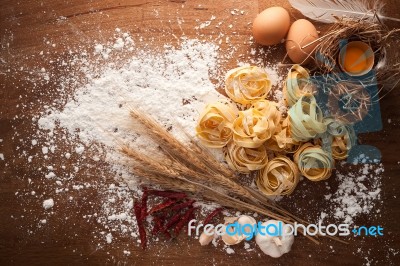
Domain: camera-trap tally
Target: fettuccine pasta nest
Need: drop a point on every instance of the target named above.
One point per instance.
(297, 84)
(342, 138)
(214, 127)
(244, 159)
(247, 84)
(313, 162)
(279, 177)
(254, 126)
(282, 141)
(306, 119)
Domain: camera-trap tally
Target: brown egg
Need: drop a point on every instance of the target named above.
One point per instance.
(301, 32)
(271, 25)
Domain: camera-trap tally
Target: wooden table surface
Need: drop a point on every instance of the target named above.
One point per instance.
(26, 26)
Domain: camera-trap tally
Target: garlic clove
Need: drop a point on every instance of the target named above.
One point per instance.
(231, 239)
(206, 239)
(244, 219)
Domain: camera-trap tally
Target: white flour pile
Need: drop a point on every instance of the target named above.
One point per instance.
(172, 87)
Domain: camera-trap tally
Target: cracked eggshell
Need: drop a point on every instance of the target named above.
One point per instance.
(275, 246)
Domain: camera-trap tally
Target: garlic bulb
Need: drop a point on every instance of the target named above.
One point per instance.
(206, 239)
(275, 246)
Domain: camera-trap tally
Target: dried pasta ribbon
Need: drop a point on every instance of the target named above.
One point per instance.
(341, 138)
(247, 84)
(214, 128)
(306, 119)
(340, 148)
(297, 84)
(313, 162)
(244, 159)
(253, 127)
(282, 140)
(279, 177)
(268, 108)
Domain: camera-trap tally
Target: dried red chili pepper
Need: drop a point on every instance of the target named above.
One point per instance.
(144, 204)
(158, 225)
(142, 232)
(183, 205)
(209, 217)
(162, 205)
(167, 194)
(184, 221)
(174, 219)
(167, 234)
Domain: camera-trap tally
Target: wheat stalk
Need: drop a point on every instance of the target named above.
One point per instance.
(187, 157)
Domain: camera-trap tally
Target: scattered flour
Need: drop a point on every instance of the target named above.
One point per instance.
(109, 238)
(48, 204)
(357, 194)
(229, 250)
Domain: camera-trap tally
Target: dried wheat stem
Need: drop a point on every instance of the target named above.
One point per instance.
(191, 159)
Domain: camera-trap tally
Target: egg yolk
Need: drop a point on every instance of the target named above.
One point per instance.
(355, 60)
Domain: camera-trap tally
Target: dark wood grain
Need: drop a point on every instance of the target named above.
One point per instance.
(25, 27)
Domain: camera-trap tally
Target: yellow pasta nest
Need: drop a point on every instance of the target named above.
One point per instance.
(297, 84)
(313, 162)
(342, 136)
(253, 126)
(247, 84)
(214, 127)
(306, 119)
(279, 177)
(244, 159)
(282, 140)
